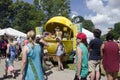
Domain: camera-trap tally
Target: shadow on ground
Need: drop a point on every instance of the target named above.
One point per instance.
(9, 76)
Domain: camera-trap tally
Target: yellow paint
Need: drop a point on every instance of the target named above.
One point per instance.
(65, 25)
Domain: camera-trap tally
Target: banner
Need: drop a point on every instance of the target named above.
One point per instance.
(39, 30)
(79, 27)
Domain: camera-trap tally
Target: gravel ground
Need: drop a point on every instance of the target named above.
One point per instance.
(53, 74)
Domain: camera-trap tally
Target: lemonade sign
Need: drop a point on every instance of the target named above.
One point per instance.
(77, 28)
(39, 30)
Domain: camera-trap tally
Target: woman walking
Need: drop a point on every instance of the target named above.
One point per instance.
(110, 55)
(31, 68)
(81, 57)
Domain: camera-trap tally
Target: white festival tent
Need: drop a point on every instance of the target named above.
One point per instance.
(89, 34)
(12, 32)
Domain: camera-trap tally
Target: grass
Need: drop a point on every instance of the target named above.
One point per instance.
(104, 73)
(72, 66)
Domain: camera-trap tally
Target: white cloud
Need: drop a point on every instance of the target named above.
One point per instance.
(106, 15)
(74, 13)
(114, 3)
(95, 5)
(105, 0)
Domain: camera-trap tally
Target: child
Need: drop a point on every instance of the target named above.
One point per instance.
(9, 66)
(60, 51)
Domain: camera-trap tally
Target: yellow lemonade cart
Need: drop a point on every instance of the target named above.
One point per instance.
(66, 27)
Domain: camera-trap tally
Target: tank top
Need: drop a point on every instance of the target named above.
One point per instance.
(12, 48)
(84, 68)
(59, 50)
(12, 51)
(33, 69)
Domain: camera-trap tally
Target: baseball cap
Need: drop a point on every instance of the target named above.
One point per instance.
(81, 35)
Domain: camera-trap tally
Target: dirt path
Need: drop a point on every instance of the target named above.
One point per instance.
(53, 74)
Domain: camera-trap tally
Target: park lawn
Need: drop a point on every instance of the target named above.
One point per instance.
(103, 72)
(72, 66)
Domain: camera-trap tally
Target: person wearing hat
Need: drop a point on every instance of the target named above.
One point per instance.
(58, 33)
(81, 57)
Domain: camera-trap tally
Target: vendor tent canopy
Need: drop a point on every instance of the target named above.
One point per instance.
(12, 32)
(89, 34)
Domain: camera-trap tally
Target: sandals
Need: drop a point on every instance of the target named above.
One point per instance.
(62, 69)
(13, 76)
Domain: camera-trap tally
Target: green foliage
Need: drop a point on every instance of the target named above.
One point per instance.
(103, 37)
(116, 30)
(88, 24)
(5, 13)
(117, 27)
(77, 19)
(115, 34)
(53, 8)
(22, 15)
(71, 66)
(25, 17)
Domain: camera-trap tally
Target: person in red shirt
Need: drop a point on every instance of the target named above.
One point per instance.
(110, 56)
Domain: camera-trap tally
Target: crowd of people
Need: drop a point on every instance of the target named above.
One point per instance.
(88, 55)
(107, 52)
(10, 49)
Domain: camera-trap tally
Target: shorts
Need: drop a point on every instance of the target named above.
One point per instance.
(59, 53)
(94, 65)
(10, 68)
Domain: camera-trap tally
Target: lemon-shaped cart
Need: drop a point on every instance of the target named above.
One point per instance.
(66, 26)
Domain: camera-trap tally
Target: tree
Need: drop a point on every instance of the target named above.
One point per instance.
(5, 20)
(88, 24)
(77, 19)
(117, 27)
(37, 4)
(25, 17)
(53, 8)
(116, 30)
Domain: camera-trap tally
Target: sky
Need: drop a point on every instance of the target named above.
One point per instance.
(103, 13)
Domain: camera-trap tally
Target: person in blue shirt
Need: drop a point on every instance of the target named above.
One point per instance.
(95, 57)
(11, 49)
(31, 67)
